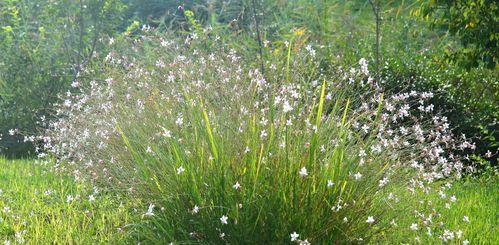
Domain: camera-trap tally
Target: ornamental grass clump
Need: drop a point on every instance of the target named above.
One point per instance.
(214, 151)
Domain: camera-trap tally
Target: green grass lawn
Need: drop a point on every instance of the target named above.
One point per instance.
(39, 207)
(475, 213)
(478, 200)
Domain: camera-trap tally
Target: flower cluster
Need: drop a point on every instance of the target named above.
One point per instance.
(230, 152)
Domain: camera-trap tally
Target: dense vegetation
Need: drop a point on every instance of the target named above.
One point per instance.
(250, 121)
(61, 211)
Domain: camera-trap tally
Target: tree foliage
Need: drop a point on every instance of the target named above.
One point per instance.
(473, 22)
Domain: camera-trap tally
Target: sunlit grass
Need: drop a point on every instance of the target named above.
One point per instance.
(38, 207)
(475, 212)
(50, 219)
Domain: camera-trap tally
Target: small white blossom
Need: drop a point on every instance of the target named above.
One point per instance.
(224, 219)
(180, 170)
(179, 121)
(330, 183)
(466, 219)
(383, 182)
(370, 220)
(414, 227)
(166, 133)
(303, 172)
(304, 242)
(149, 210)
(453, 199)
(357, 176)
(286, 107)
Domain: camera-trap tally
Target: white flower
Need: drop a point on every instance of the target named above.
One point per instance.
(286, 107)
(330, 183)
(195, 210)
(345, 219)
(357, 176)
(180, 170)
(294, 236)
(224, 219)
(466, 242)
(91, 198)
(414, 226)
(166, 133)
(365, 128)
(305, 242)
(236, 185)
(149, 210)
(466, 219)
(362, 153)
(383, 182)
(453, 198)
(363, 66)
(488, 154)
(370, 219)
(263, 134)
(179, 121)
(13, 131)
(447, 236)
(303, 172)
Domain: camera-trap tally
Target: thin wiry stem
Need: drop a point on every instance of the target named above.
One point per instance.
(259, 37)
(375, 7)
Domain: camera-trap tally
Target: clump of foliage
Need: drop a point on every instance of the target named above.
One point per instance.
(219, 152)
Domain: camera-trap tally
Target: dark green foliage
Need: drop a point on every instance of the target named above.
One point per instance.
(474, 22)
(469, 99)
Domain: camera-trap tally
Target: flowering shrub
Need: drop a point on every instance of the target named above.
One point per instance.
(215, 151)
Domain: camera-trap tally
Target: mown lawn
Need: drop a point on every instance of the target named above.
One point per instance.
(39, 207)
